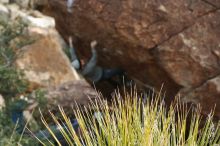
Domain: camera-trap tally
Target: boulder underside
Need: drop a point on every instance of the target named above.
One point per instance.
(171, 42)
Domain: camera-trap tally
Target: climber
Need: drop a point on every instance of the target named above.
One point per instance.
(69, 5)
(91, 71)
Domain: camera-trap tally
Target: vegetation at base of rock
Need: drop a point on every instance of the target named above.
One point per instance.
(11, 82)
(8, 134)
(140, 123)
(40, 97)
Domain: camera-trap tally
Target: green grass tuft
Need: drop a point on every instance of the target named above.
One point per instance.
(136, 122)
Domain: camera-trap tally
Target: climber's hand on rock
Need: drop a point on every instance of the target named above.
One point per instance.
(70, 42)
(93, 44)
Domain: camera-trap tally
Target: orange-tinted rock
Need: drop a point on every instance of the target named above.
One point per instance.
(44, 63)
(39, 53)
(175, 42)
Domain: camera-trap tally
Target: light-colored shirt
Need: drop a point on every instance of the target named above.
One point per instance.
(69, 5)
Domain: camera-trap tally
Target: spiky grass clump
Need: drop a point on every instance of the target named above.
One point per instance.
(136, 122)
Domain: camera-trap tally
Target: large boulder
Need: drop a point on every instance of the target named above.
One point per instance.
(175, 42)
(44, 62)
(40, 55)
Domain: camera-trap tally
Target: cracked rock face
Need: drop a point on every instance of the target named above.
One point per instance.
(170, 42)
(208, 95)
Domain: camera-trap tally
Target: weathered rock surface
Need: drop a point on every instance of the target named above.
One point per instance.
(4, 1)
(70, 93)
(67, 95)
(27, 4)
(35, 18)
(42, 58)
(174, 42)
(44, 63)
(31, 17)
(208, 95)
(193, 56)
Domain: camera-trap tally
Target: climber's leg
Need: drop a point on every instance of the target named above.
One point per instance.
(109, 73)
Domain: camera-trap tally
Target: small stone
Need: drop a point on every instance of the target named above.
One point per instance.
(4, 13)
(2, 102)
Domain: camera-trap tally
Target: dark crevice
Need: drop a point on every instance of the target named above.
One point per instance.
(209, 3)
(190, 6)
(187, 27)
(209, 12)
(216, 57)
(175, 34)
(182, 30)
(201, 84)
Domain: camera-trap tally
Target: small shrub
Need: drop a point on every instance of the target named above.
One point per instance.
(9, 135)
(11, 81)
(39, 95)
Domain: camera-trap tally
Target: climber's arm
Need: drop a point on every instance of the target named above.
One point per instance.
(75, 61)
(72, 50)
(93, 60)
(69, 5)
